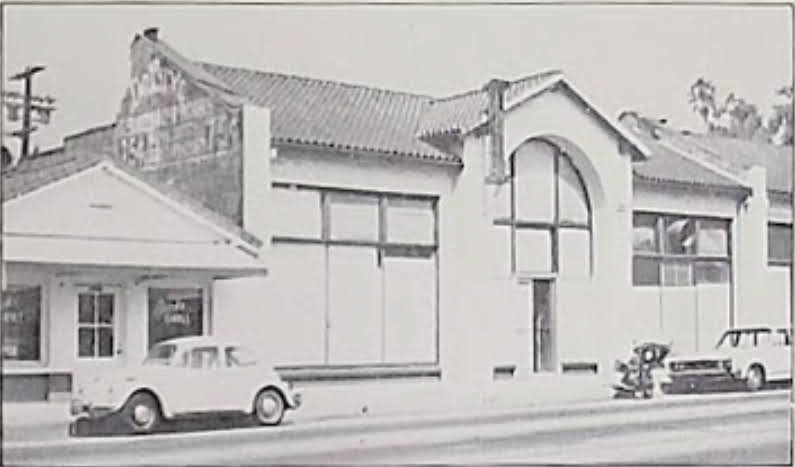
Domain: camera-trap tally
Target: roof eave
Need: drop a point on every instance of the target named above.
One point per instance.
(451, 161)
(737, 191)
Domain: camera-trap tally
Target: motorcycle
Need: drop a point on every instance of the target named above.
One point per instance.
(634, 378)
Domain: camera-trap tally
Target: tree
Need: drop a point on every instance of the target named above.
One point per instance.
(780, 124)
(738, 118)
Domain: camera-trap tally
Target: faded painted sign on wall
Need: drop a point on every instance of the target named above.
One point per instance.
(166, 120)
(179, 133)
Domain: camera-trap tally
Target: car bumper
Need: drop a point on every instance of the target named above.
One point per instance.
(693, 381)
(83, 409)
(296, 400)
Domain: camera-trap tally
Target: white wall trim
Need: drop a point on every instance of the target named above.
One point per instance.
(589, 106)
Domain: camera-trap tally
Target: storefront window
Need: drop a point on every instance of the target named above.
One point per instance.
(693, 251)
(365, 291)
(21, 315)
(175, 312)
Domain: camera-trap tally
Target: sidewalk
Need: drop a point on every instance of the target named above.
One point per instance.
(322, 402)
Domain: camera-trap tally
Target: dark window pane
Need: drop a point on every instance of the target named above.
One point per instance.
(644, 233)
(105, 342)
(677, 274)
(85, 342)
(779, 243)
(85, 308)
(21, 322)
(712, 272)
(645, 271)
(680, 235)
(713, 238)
(174, 313)
(105, 304)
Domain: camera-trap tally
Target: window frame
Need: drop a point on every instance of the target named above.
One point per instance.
(384, 249)
(381, 243)
(556, 225)
(96, 326)
(692, 260)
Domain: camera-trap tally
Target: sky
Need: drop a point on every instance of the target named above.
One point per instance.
(641, 57)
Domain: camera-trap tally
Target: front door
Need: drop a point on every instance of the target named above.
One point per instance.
(98, 326)
(543, 326)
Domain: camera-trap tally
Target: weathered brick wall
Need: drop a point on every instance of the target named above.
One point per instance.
(179, 132)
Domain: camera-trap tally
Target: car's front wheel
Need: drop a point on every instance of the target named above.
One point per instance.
(269, 407)
(141, 413)
(755, 379)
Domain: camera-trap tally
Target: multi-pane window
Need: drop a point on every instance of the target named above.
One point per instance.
(358, 272)
(550, 214)
(779, 244)
(673, 250)
(95, 324)
(21, 322)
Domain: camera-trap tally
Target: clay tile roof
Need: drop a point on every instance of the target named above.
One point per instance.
(455, 114)
(776, 159)
(36, 171)
(333, 114)
(666, 165)
(462, 113)
(670, 162)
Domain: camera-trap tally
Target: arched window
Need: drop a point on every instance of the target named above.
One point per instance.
(550, 217)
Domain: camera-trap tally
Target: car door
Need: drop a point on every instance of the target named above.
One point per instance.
(172, 382)
(200, 388)
(241, 371)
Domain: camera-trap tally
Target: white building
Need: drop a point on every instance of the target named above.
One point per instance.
(483, 235)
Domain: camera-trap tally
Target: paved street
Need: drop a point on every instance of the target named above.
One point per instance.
(736, 429)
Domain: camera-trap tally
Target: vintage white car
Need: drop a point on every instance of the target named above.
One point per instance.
(187, 376)
(751, 355)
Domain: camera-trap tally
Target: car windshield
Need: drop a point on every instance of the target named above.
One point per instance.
(160, 354)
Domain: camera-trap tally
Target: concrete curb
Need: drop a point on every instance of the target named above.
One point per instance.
(351, 426)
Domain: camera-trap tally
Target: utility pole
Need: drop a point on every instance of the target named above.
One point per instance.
(31, 105)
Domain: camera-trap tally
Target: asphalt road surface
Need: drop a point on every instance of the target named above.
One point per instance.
(706, 430)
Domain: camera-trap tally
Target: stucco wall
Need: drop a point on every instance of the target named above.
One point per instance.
(483, 303)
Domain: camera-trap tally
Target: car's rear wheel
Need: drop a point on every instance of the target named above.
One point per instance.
(269, 407)
(141, 413)
(755, 379)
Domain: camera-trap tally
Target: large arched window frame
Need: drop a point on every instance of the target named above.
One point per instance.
(550, 213)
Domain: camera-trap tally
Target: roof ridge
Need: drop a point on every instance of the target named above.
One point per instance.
(315, 80)
(455, 96)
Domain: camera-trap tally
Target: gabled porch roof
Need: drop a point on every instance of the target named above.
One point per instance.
(87, 210)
